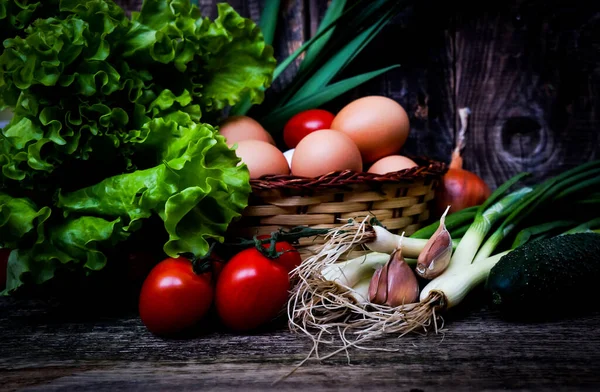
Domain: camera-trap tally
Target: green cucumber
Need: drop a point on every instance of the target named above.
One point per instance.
(549, 278)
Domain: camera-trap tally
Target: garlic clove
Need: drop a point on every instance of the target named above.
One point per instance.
(403, 287)
(436, 255)
(395, 283)
(378, 285)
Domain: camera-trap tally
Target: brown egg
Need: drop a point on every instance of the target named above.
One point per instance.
(238, 128)
(323, 152)
(262, 158)
(391, 163)
(378, 125)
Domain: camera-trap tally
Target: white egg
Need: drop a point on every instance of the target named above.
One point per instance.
(288, 156)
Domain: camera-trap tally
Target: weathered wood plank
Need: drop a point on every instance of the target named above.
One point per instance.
(525, 74)
(477, 351)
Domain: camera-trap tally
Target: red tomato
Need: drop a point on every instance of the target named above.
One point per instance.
(304, 123)
(251, 290)
(4, 254)
(174, 298)
(290, 259)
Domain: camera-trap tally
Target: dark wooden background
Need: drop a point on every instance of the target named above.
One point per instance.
(529, 70)
(530, 73)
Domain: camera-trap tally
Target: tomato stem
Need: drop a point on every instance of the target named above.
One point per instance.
(200, 264)
(292, 236)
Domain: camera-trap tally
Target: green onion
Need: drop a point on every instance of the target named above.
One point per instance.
(387, 242)
(351, 272)
(585, 227)
(457, 285)
(555, 188)
(338, 61)
(484, 220)
(268, 19)
(539, 231)
(327, 53)
(333, 12)
(462, 274)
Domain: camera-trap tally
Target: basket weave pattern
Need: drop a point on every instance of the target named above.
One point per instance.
(398, 200)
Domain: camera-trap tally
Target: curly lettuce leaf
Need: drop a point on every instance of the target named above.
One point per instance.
(236, 61)
(21, 222)
(56, 76)
(197, 191)
(16, 15)
(165, 31)
(73, 244)
(218, 61)
(106, 133)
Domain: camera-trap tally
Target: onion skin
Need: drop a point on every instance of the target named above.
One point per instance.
(460, 189)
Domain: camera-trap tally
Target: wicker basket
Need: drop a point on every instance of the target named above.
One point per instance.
(398, 200)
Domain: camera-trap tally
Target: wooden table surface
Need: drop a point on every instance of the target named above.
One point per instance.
(47, 347)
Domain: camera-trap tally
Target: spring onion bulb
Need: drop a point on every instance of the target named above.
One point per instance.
(455, 286)
(387, 242)
(349, 273)
(360, 291)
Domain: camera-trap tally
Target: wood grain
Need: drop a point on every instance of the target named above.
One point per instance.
(524, 71)
(44, 350)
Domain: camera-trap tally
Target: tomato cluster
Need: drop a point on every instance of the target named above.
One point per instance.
(247, 292)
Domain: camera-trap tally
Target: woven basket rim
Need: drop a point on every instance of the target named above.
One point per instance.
(427, 169)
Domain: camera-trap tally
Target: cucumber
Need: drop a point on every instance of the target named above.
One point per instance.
(548, 278)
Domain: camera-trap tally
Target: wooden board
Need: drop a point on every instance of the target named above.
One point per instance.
(526, 72)
(45, 348)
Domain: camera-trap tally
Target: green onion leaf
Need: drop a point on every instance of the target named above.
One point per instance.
(453, 221)
(268, 19)
(501, 190)
(591, 225)
(539, 231)
(468, 247)
(292, 57)
(333, 12)
(543, 193)
(339, 61)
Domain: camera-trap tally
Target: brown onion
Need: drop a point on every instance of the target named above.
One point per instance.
(460, 188)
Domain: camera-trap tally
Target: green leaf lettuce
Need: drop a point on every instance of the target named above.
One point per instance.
(110, 130)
